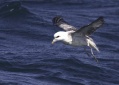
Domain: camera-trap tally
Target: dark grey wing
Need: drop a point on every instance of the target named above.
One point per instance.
(60, 22)
(89, 29)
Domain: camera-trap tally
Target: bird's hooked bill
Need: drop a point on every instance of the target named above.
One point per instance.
(53, 41)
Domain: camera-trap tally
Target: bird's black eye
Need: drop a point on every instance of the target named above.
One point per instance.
(57, 36)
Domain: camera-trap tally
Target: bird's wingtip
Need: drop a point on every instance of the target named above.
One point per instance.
(56, 19)
(101, 18)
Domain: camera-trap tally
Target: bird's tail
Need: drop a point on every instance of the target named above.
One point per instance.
(92, 44)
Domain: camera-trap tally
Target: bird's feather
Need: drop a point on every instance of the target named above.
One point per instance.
(60, 22)
(89, 29)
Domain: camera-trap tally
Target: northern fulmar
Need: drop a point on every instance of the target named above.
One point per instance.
(77, 37)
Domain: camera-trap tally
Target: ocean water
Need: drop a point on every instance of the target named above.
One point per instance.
(27, 56)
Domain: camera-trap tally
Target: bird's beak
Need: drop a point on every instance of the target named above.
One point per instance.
(53, 41)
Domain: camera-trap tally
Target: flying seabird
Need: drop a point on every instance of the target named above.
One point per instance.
(77, 37)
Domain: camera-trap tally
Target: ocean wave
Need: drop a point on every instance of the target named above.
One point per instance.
(14, 8)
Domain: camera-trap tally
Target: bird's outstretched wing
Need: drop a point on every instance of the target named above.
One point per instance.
(60, 22)
(89, 29)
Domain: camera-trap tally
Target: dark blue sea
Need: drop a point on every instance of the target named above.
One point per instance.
(27, 56)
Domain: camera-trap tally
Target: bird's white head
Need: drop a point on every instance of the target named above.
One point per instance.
(60, 36)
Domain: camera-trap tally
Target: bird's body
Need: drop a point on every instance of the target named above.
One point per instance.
(79, 41)
(74, 37)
